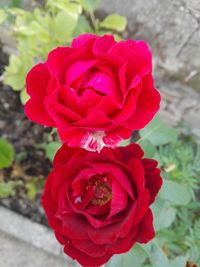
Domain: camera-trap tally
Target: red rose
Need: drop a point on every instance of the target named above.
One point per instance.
(190, 264)
(98, 203)
(95, 92)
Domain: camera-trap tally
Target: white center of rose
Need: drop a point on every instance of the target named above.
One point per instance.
(93, 141)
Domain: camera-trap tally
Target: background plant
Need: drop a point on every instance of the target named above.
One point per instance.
(177, 206)
(56, 24)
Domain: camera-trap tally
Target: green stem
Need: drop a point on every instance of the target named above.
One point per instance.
(94, 21)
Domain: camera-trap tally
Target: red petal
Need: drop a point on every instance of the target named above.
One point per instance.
(103, 83)
(142, 194)
(131, 151)
(102, 44)
(136, 53)
(62, 115)
(74, 225)
(77, 69)
(116, 230)
(145, 230)
(36, 85)
(119, 199)
(82, 39)
(57, 60)
(89, 248)
(49, 204)
(146, 107)
(92, 123)
(84, 259)
(153, 180)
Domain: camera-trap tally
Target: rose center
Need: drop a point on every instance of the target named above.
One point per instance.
(102, 191)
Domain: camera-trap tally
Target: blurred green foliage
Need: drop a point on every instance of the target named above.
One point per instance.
(51, 149)
(176, 209)
(11, 3)
(8, 188)
(39, 31)
(6, 154)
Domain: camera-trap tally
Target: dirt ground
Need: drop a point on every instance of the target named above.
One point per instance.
(30, 162)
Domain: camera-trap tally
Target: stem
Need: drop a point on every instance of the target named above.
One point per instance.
(93, 21)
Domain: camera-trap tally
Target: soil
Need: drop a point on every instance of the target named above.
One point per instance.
(31, 163)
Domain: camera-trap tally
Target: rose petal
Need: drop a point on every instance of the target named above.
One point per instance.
(153, 181)
(36, 87)
(57, 60)
(89, 248)
(131, 151)
(50, 205)
(74, 225)
(142, 194)
(103, 43)
(103, 83)
(137, 53)
(119, 199)
(82, 39)
(146, 231)
(84, 259)
(62, 115)
(146, 107)
(94, 124)
(77, 69)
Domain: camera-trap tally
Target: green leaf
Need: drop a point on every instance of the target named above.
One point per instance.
(70, 7)
(148, 148)
(14, 80)
(158, 133)
(174, 192)
(164, 214)
(7, 188)
(3, 15)
(32, 28)
(179, 261)
(157, 255)
(6, 154)
(117, 37)
(12, 76)
(125, 142)
(23, 96)
(114, 22)
(137, 255)
(89, 5)
(15, 3)
(31, 190)
(82, 26)
(51, 149)
(115, 261)
(20, 156)
(64, 25)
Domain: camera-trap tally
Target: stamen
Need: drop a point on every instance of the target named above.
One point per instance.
(102, 190)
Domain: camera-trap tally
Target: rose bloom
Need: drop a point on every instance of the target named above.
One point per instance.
(98, 204)
(191, 264)
(95, 92)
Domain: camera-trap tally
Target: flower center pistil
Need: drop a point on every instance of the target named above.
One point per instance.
(102, 191)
